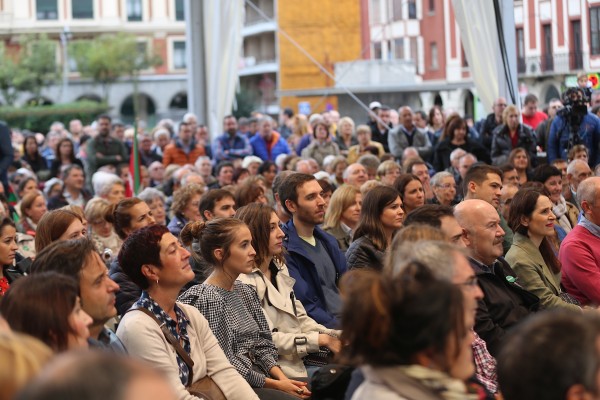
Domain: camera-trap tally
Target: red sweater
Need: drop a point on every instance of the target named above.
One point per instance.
(580, 258)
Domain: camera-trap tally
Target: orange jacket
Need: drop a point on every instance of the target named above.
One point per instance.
(174, 154)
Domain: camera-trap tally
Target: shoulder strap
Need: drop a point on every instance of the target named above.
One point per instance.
(171, 339)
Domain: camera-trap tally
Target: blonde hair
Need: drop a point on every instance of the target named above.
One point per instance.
(96, 209)
(341, 199)
(22, 359)
(387, 166)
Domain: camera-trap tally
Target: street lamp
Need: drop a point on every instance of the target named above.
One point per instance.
(65, 36)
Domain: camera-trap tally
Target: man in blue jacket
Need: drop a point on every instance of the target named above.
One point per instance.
(313, 257)
(268, 144)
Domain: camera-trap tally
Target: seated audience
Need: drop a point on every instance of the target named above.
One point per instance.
(8, 253)
(295, 334)
(343, 214)
(47, 306)
(155, 199)
(580, 251)
(155, 261)
(60, 225)
(381, 216)
(411, 192)
(232, 308)
(101, 231)
(565, 212)
(185, 207)
(532, 255)
(108, 186)
(33, 208)
(444, 188)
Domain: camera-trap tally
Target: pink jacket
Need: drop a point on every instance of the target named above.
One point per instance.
(580, 258)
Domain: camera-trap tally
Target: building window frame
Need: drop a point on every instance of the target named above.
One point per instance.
(595, 30)
(46, 10)
(83, 13)
(434, 55)
(134, 10)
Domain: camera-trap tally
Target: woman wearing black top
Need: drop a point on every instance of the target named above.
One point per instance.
(65, 156)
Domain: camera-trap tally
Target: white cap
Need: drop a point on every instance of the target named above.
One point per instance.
(249, 160)
(374, 104)
(322, 175)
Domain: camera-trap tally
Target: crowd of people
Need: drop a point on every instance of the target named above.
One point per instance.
(428, 255)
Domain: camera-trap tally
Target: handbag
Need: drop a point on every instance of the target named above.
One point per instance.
(330, 382)
(567, 298)
(319, 359)
(204, 388)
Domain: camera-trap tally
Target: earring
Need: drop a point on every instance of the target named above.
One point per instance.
(156, 281)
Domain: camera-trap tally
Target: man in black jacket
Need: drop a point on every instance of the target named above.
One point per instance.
(6, 154)
(505, 303)
(491, 122)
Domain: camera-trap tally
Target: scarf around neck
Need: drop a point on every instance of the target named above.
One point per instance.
(438, 382)
(590, 226)
(560, 211)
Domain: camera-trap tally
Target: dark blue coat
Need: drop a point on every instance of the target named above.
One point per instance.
(589, 133)
(308, 284)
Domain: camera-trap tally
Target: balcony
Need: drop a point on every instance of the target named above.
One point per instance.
(375, 73)
(257, 66)
(549, 64)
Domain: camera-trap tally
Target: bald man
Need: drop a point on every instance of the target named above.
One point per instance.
(505, 303)
(577, 172)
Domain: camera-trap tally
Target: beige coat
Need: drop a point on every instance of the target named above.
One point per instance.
(143, 339)
(285, 324)
(534, 275)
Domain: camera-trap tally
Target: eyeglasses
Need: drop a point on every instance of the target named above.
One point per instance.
(471, 282)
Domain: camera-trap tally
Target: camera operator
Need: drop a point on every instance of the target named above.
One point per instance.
(574, 125)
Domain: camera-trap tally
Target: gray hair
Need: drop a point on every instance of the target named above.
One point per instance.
(439, 257)
(587, 189)
(149, 195)
(102, 182)
(457, 154)
(436, 180)
(369, 161)
(573, 165)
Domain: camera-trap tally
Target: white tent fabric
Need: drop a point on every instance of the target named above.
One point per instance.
(479, 33)
(223, 22)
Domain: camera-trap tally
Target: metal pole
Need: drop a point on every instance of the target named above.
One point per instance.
(196, 69)
(64, 40)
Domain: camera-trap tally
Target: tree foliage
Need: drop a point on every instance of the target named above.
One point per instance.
(30, 69)
(109, 57)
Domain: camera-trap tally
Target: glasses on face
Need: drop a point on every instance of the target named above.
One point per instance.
(471, 282)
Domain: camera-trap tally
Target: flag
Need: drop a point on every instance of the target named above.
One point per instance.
(134, 164)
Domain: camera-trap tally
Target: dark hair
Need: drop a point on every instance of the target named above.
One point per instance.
(118, 215)
(453, 123)
(221, 165)
(387, 320)
(402, 181)
(39, 305)
(374, 202)
(288, 112)
(181, 125)
(238, 172)
(288, 190)
(67, 257)
(506, 168)
(210, 199)
(104, 116)
(432, 114)
(266, 166)
(258, 218)
(544, 172)
(316, 124)
(203, 238)
(513, 153)
(6, 222)
(37, 154)
(23, 182)
(523, 205)
(140, 248)
(28, 200)
(65, 172)
(183, 196)
(326, 185)
(478, 173)
(248, 193)
(564, 343)
(71, 154)
(52, 225)
(428, 214)
(530, 98)
(409, 165)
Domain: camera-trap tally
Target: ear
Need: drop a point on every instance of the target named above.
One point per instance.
(472, 187)
(291, 206)
(524, 221)
(149, 271)
(466, 237)
(578, 392)
(218, 253)
(208, 215)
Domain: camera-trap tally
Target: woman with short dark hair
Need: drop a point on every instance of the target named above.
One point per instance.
(155, 260)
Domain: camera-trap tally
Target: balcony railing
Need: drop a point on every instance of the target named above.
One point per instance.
(562, 63)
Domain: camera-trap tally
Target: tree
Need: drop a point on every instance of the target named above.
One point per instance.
(107, 58)
(29, 69)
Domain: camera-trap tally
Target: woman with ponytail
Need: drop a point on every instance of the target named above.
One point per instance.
(408, 333)
(295, 334)
(233, 308)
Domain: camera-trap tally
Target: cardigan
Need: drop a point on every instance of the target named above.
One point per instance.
(143, 339)
(535, 275)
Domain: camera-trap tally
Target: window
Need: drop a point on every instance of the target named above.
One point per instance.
(142, 50)
(179, 13)
(83, 9)
(375, 11)
(399, 48)
(521, 67)
(431, 6)
(377, 52)
(434, 55)
(134, 10)
(547, 57)
(412, 9)
(595, 29)
(179, 56)
(397, 9)
(414, 54)
(46, 9)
